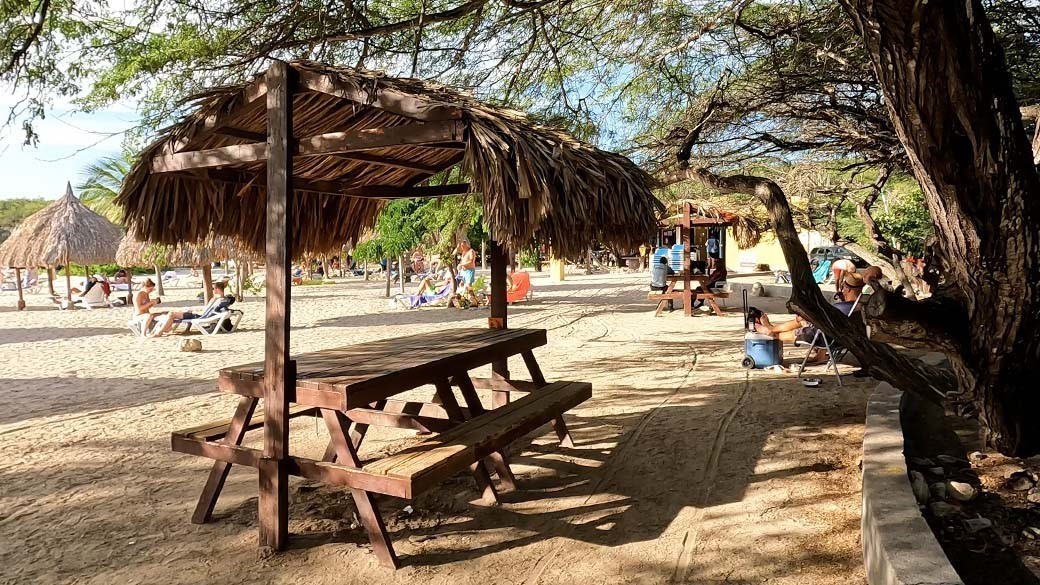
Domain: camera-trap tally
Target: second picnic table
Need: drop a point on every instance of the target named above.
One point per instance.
(670, 294)
(353, 387)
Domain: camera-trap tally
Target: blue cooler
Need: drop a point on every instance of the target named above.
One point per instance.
(762, 351)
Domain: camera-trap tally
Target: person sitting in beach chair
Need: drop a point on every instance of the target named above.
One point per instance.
(800, 330)
(217, 306)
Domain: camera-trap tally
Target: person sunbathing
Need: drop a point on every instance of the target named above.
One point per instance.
(800, 329)
(219, 302)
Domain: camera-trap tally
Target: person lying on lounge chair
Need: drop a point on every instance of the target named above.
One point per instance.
(219, 302)
(801, 330)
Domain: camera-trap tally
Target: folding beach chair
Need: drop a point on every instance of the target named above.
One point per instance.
(834, 354)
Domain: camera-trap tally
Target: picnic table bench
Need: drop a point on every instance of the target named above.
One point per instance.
(352, 387)
(670, 294)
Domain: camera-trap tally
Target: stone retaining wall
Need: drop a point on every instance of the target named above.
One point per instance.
(898, 546)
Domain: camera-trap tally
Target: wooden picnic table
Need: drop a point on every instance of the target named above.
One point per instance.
(671, 294)
(353, 387)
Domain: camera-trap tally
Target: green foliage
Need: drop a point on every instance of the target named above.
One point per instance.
(14, 211)
(254, 286)
(104, 179)
(527, 258)
(908, 223)
(105, 269)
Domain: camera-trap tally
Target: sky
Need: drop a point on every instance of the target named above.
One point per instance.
(69, 141)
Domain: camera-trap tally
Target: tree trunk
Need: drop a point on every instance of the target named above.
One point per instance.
(159, 290)
(949, 94)
(389, 278)
(400, 271)
(207, 282)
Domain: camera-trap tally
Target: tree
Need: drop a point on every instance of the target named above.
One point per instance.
(104, 179)
(14, 211)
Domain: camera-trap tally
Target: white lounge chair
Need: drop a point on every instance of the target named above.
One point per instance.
(220, 322)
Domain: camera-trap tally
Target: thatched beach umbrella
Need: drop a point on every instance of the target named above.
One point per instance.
(134, 252)
(745, 229)
(64, 232)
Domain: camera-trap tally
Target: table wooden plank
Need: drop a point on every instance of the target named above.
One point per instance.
(358, 375)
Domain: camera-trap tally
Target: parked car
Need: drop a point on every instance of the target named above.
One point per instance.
(833, 253)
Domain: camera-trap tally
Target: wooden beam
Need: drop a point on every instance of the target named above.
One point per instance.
(389, 162)
(279, 369)
(393, 101)
(393, 192)
(209, 158)
(371, 138)
(240, 133)
(338, 188)
(436, 134)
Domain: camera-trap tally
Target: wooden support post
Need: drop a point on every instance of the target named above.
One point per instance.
(207, 281)
(68, 283)
(159, 289)
(687, 293)
(18, 277)
(498, 320)
(52, 275)
(279, 370)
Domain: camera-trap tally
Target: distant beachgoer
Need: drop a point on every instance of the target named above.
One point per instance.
(143, 304)
(467, 263)
(800, 329)
(659, 274)
(91, 281)
(219, 302)
(713, 247)
(840, 267)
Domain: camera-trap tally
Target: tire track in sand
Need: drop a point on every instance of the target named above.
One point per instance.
(689, 545)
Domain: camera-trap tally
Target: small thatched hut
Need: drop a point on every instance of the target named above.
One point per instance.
(134, 252)
(303, 158)
(64, 232)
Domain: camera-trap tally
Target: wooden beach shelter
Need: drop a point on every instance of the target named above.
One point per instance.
(304, 157)
(64, 232)
(689, 222)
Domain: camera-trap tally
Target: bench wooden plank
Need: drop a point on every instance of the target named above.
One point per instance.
(217, 429)
(440, 457)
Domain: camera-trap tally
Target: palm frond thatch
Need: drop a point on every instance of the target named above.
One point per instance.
(64, 231)
(134, 252)
(745, 229)
(536, 181)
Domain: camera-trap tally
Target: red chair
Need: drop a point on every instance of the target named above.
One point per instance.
(521, 289)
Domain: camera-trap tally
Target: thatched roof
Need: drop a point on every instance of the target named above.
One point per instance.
(534, 179)
(704, 213)
(134, 252)
(64, 231)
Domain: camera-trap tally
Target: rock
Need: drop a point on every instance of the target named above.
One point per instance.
(942, 509)
(950, 460)
(1028, 535)
(922, 462)
(1033, 496)
(978, 523)
(939, 490)
(939, 471)
(1035, 531)
(961, 491)
(920, 487)
(757, 290)
(977, 456)
(1020, 481)
(191, 345)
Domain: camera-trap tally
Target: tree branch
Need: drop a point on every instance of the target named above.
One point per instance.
(880, 360)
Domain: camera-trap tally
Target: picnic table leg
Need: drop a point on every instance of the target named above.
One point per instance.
(357, 435)
(558, 424)
(714, 306)
(480, 473)
(498, 458)
(365, 502)
(218, 474)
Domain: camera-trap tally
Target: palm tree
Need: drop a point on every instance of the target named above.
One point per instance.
(104, 179)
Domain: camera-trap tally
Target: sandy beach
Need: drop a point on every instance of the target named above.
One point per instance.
(686, 467)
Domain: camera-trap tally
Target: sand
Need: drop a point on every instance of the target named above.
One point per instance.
(686, 468)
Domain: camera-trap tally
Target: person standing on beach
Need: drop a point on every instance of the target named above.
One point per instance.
(467, 263)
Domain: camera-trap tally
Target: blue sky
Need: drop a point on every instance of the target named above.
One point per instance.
(69, 142)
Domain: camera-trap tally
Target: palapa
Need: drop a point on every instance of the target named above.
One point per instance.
(64, 232)
(134, 252)
(745, 229)
(536, 181)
